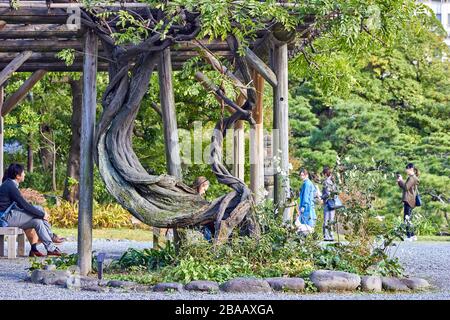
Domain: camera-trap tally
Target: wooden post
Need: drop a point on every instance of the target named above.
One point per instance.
(239, 145)
(21, 245)
(86, 153)
(12, 239)
(2, 245)
(13, 66)
(1, 134)
(169, 117)
(260, 67)
(281, 129)
(257, 142)
(158, 235)
(239, 150)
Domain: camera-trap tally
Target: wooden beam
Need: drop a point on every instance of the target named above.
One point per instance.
(218, 66)
(46, 57)
(281, 129)
(55, 66)
(85, 209)
(170, 127)
(17, 96)
(261, 67)
(76, 67)
(36, 15)
(212, 45)
(209, 86)
(48, 45)
(169, 116)
(39, 31)
(42, 4)
(45, 45)
(41, 45)
(220, 96)
(13, 66)
(118, 5)
(130, 4)
(257, 142)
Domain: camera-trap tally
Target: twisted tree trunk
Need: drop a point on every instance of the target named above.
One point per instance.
(164, 201)
(71, 192)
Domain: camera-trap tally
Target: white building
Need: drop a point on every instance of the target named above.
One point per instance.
(442, 10)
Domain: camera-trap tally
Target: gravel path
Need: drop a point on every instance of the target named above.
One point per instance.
(429, 260)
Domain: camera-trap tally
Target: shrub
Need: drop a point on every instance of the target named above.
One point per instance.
(33, 196)
(63, 262)
(105, 216)
(278, 252)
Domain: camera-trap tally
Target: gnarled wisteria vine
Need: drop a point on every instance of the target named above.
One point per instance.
(163, 200)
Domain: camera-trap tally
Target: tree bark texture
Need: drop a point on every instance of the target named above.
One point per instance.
(164, 201)
(71, 192)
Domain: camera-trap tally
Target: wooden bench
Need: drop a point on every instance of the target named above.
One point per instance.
(13, 235)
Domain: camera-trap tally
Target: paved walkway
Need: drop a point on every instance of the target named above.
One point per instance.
(430, 260)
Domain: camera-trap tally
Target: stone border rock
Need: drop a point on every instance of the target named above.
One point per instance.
(168, 287)
(327, 280)
(287, 284)
(251, 285)
(323, 280)
(371, 284)
(202, 286)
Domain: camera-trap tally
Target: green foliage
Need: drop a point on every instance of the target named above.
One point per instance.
(63, 262)
(132, 34)
(149, 259)
(279, 251)
(391, 108)
(67, 55)
(65, 215)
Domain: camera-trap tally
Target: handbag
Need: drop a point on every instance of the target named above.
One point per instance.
(334, 203)
(3, 222)
(418, 199)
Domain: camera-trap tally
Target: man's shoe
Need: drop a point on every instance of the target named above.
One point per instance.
(56, 239)
(36, 253)
(55, 252)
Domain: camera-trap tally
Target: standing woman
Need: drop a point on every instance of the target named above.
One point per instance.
(409, 197)
(307, 215)
(328, 191)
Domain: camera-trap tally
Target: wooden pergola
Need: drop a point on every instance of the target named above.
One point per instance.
(31, 36)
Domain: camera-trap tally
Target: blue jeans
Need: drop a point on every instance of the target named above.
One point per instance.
(407, 218)
(207, 233)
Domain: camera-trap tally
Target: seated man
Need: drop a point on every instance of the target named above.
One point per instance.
(17, 212)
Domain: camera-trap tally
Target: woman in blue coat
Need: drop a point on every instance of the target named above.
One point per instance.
(307, 195)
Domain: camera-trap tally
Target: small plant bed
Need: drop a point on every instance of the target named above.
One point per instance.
(278, 260)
